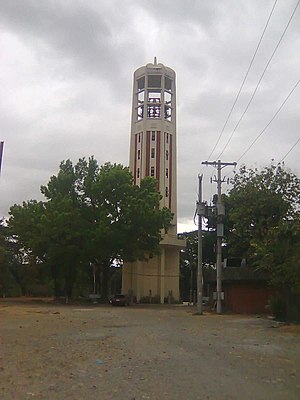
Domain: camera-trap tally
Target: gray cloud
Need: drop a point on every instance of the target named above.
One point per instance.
(66, 81)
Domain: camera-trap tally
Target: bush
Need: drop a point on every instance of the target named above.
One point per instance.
(150, 300)
(278, 308)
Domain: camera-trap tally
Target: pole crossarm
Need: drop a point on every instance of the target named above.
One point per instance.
(219, 163)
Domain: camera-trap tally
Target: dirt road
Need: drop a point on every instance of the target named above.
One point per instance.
(101, 352)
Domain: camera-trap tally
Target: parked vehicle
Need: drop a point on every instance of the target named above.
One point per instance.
(120, 300)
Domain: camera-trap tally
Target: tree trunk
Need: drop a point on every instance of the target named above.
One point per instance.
(105, 280)
(69, 282)
(292, 306)
(19, 281)
(57, 289)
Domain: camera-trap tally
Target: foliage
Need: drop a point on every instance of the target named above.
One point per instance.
(18, 272)
(150, 300)
(258, 202)
(278, 308)
(92, 216)
(263, 226)
(280, 254)
(5, 275)
(189, 259)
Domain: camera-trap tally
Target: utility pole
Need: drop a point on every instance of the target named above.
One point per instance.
(200, 212)
(220, 226)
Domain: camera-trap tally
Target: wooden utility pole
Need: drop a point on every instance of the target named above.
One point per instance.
(220, 226)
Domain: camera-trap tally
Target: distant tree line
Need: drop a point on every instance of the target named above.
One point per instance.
(93, 220)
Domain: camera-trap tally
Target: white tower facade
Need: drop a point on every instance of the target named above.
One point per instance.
(153, 153)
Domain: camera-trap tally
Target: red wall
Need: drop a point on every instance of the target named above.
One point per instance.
(249, 298)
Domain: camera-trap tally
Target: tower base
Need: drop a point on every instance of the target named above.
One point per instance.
(156, 279)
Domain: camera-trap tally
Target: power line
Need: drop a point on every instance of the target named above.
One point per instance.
(260, 79)
(244, 80)
(294, 145)
(271, 120)
(1, 153)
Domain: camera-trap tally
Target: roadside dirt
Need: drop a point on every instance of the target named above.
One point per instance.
(50, 351)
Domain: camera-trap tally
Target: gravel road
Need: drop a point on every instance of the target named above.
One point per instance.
(50, 351)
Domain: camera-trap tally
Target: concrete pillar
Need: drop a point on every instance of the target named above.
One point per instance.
(162, 276)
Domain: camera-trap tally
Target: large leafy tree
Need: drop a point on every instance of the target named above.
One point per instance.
(125, 220)
(258, 202)
(25, 242)
(49, 233)
(92, 215)
(263, 224)
(280, 253)
(5, 261)
(63, 225)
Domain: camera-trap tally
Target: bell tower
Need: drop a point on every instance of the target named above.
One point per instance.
(153, 153)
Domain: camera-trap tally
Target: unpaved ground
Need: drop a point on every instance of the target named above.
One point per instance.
(100, 352)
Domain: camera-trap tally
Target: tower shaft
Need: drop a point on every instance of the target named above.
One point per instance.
(153, 153)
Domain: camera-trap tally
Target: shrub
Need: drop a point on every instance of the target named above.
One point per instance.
(150, 300)
(278, 308)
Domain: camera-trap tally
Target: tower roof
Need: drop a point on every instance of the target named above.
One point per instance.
(155, 67)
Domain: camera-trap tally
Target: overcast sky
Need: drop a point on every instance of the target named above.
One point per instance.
(66, 85)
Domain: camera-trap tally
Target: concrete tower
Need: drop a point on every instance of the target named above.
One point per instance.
(153, 153)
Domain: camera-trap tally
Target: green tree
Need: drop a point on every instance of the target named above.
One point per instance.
(189, 260)
(63, 226)
(263, 224)
(5, 260)
(92, 215)
(26, 242)
(259, 201)
(126, 219)
(279, 254)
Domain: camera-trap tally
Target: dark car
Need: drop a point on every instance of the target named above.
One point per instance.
(120, 300)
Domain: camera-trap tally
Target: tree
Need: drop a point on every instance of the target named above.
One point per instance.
(263, 224)
(92, 215)
(25, 242)
(259, 201)
(279, 254)
(126, 219)
(189, 260)
(64, 227)
(5, 259)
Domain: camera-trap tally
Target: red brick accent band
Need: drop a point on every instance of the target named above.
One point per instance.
(135, 157)
(158, 139)
(148, 155)
(170, 169)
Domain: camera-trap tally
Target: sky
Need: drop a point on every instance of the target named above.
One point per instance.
(66, 70)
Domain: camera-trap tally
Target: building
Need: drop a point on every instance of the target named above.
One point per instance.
(246, 290)
(153, 153)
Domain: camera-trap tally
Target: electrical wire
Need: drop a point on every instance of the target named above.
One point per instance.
(260, 79)
(294, 145)
(271, 120)
(195, 214)
(244, 80)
